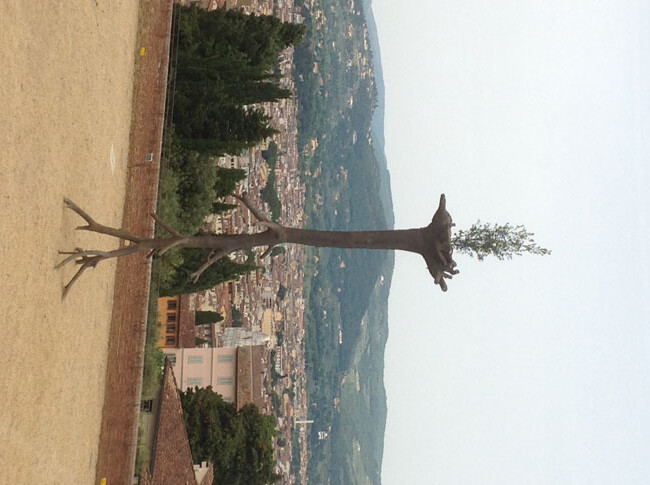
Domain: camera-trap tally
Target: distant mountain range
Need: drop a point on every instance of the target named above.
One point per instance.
(340, 135)
(378, 116)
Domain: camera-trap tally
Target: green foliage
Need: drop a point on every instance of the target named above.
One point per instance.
(200, 341)
(202, 318)
(225, 183)
(223, 270)
(238, 443)
(275, 399)
(282, 291)
(258, 39)
(295, 445)
(227, 180)
(218, 129)
(219, 207)
(196, 179)
(154, 358)
(190, 183)
(268, 193)
(236, 317)
(500, 240)
(169, 209)
(226, 61)
(190, 187)
(271, 154)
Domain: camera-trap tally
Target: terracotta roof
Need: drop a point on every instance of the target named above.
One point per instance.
(171, 461)
(249, 375)
(186, 331)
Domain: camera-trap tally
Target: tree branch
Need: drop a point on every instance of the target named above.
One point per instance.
(172, 244)
(267, 252)
(76, 276)
(194, 277)
(79, 253)
(90, 259)
(94, 226)
(165, 226)
(243, 198)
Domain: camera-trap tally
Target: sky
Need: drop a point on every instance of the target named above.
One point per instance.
(535, 370)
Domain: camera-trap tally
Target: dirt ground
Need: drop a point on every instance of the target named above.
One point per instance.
(66, 91)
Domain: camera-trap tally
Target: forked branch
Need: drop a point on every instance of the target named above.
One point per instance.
(261, 217)
(79, 255)
(194, 277)
(165, 226)
(90, 259)
(94, 226)
(266, 252)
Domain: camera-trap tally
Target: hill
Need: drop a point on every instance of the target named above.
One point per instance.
(348, 188)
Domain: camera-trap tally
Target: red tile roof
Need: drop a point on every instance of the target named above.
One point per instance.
(186, 331)
(171, 458)
(249, 375)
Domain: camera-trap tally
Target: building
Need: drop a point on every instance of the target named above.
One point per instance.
(241, 162)
(240, 337)
(203, 367)
(250, 376)
(175, 322)
(234, 372)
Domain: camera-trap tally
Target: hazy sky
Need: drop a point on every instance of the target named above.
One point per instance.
(535, 370)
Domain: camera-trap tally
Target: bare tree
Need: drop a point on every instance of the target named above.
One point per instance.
(432, 242)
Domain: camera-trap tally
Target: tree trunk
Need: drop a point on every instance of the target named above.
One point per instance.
(405, 239)
(433, 242)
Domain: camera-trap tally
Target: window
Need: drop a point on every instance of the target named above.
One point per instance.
(195, 359)
(171, 358)
(172, 304)
(224, 381)
(170, 329)
(170, 340)
(171, 317)
(223, 358)
(194, 382)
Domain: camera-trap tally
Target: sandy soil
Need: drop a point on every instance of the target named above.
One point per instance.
(65, 88)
